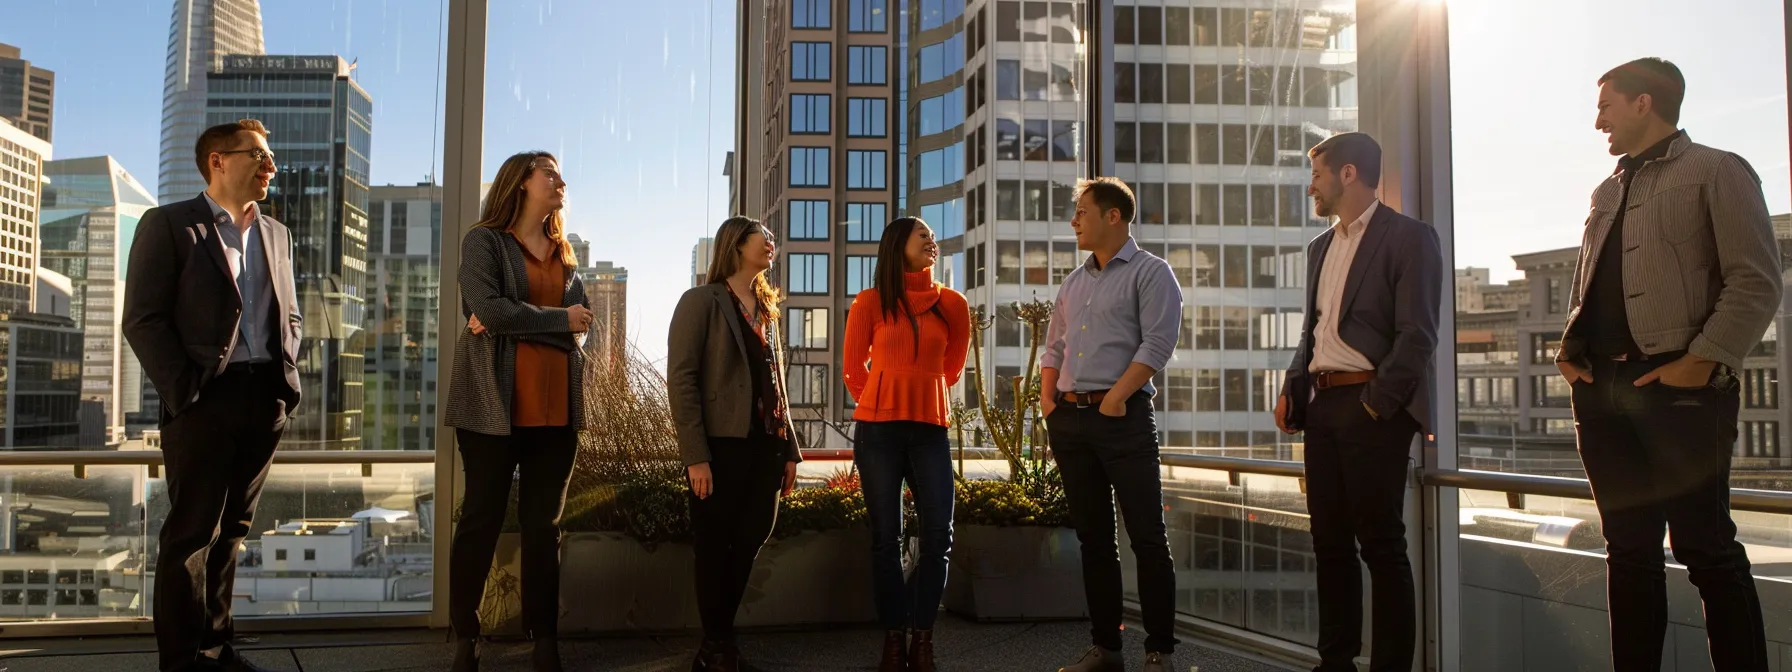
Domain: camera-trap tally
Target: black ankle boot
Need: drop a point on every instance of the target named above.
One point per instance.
(466, 655)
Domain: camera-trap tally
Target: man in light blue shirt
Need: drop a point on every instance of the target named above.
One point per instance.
(1114, 326)
(244, 249)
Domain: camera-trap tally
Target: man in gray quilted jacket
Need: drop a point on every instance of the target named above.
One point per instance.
(1679, 276)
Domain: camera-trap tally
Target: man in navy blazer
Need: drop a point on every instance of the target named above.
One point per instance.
(1360, 387)
(211, 312)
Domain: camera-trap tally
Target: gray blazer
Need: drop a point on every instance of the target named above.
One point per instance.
(494, 285)
(707, 378)
(1390, 314)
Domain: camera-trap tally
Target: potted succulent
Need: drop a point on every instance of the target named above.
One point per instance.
(1014, 556)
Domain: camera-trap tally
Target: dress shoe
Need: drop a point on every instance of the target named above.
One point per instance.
(920, 652)
(894, 658)
(1097, 659)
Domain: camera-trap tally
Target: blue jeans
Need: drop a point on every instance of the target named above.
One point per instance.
(888, 453)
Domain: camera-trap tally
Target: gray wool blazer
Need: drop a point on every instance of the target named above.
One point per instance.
(494, 285)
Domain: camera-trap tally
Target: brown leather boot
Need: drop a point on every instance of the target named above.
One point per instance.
(920, 652)
(895, 645)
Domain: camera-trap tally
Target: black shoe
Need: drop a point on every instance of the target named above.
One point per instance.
(466, 655)
(231, 661)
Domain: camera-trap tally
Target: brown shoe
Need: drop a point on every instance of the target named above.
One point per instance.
(920, 652)
(894, 658)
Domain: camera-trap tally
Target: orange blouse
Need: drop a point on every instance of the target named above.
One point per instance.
(909, 378)
(542, 389)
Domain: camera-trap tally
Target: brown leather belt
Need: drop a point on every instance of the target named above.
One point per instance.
(1082, 399)
(1329, 379)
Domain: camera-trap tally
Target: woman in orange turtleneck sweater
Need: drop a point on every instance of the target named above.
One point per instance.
(914, 332)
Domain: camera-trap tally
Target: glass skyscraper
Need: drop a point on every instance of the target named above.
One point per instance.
(200, 33)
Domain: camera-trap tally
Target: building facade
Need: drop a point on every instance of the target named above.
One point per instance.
(22, 157)
(27, 93)
(200, 33)
(700, 258)
(321, 128)
(404, 270)
(91, 207)
(41, 393)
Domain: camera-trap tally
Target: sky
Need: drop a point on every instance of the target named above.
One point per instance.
(637, 102)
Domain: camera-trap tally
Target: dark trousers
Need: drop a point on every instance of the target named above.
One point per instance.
(1104, 459)
(728, 528)
(1659, 457)
(887, 455)
(217, 453)
(540, 460)
(1357, 473)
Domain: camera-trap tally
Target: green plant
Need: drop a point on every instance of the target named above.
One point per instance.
(1016, 429)
(1006, 504)
(819, 510)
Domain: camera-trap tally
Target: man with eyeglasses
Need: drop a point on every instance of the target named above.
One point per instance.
(211, 312)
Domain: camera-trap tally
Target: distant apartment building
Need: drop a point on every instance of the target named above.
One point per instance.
(27, 93)
(22, 157)
(404, 274)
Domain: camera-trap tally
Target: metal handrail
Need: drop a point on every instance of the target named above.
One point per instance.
(101, 458)
(1761, 501)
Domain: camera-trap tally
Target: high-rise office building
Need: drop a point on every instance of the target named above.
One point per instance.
(404, 270)
(40, 391)
(200, 33)
(91, 207)
(606, 285)
(700, 256)
(320, 124)
(27, 93)
(1212, 110)
(22, 157)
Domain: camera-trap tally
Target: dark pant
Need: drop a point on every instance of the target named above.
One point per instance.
(217, 453)
(1103, 459)
(540, 460)
(728, 528)
(887, 454)
(1657, 457)
(1357, 473)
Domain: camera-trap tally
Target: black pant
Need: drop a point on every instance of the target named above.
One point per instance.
(728, 528)
(1657, 457)
(217, 453)
(1357, 473)
(540, 459)
(1103, 458)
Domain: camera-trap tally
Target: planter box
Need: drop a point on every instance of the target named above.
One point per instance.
(1016, 574)
(612, 583)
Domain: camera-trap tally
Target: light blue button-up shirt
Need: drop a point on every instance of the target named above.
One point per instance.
(1107, 318)
(254, 282)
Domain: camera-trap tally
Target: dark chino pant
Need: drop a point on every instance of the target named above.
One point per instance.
(217, 453)
(539, 460)
(1658, 458)
(728, 528)
(1357, 472)
(1103, 460)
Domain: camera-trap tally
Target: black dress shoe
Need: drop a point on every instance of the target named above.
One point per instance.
(231, 661)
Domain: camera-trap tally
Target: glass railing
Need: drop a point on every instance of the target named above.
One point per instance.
(80, 542)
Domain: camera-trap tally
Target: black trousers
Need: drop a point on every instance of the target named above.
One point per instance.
(1103, 460)
(1357, 473)
(729, 527)
(540, 459)
(217, 453)
(1658, 458)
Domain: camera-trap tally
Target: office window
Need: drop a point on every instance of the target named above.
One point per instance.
(1007, 80)
(942, 113)
(1176, 85)
(808, 328)
(861, 273)
(1207, 204)
(942, 166)
(809, 166)
(1182, 260)
(1544, 347)
(1007, 140)
(808, 273)
(310, 555)
(1008, 200)
(1033, 84)
(867, 16)
(1036, 262)
(1235, 267)
(280, 555)
(1124, 25)
(1232, 85)
(808, 385)
(1761, 388)
(1034, 193)
(1182, 144)
(1234, 145)
(1557, 298)
(1151, 81)
(865, 118)
(865, 222)
(1207, 144)
(809, 13)
(1180, 209)
(1008, 21)
(1294, 205)
(1263, 205)
(1126, 142)
(810, 61)
(1176, 26)
(939, 61)
(808, 220)
(1150, 202)
(1007, 262)
(1125, 82)
(1063, 259)
(867, 65)
(1151, 25)
(865, 169)
(1151, 142)
(1065, 140)
(810, 113)
(1550, 390)
(1207, 84)
(1181, 390)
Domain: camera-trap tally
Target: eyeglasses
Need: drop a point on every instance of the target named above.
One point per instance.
(258, 154)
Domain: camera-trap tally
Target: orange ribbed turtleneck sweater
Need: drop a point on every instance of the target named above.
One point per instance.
(908, 377)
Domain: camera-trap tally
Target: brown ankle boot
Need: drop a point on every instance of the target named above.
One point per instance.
(920, 652)
(895, 645)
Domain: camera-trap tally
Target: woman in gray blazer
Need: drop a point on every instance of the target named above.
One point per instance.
(725, 374)
(516, 398)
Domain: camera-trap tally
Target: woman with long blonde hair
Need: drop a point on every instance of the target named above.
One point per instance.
(516, 397)
(725, 375)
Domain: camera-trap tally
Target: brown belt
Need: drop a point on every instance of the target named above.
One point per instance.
(1329, 379)
(1082, 399)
